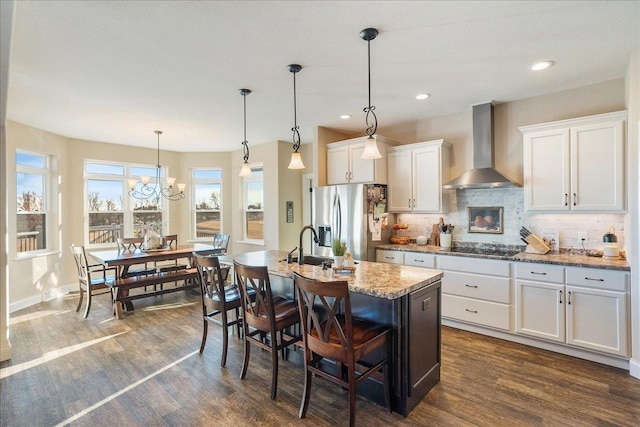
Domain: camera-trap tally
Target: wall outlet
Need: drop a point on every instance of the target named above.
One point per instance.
(583, 236)
(553, 239)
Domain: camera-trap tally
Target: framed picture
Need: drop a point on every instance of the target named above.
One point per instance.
(486, 219)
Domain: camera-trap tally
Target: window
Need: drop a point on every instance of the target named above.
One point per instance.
(253, 197)
(111, 212)
(32, 186)
(207, 202)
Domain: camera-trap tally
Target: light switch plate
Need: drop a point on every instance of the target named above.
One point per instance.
(554, 238)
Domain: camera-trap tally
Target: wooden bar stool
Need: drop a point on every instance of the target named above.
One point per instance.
(337, 336)
(217, 299)
(265, 314)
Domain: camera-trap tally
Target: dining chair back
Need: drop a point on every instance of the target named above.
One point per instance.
(217, 298)
(170, 241)
(330, 331)
(263, 313)
(221, 242)
(93, 279)
(130, 245)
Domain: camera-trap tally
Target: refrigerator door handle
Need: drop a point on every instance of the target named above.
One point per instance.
(337, 218)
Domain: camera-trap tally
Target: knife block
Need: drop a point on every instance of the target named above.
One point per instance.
(536, 245)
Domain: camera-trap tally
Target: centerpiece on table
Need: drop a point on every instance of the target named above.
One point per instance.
(339, 248)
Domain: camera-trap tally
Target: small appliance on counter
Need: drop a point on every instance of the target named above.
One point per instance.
(535, 245)
(610, 241)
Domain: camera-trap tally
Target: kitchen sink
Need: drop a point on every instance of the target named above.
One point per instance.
(310, 259)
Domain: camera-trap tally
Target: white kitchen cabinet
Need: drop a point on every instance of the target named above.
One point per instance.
(587, 308)
(575, 165)
(419, 259)
(390, 257)
(416, 173)
(476, 290)
(344, 165)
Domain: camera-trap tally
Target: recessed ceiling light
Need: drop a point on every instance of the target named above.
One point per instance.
(423, 96)
(541, 65)
(345, 116)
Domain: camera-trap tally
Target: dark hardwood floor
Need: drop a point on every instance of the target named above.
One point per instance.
(146, 370)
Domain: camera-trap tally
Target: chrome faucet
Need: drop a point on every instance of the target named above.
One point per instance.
(315, 239)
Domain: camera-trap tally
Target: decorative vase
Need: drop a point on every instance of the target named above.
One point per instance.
(338, 260)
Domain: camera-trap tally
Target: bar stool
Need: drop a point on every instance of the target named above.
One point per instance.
(265, 314)
(340, 337)
(217, 299)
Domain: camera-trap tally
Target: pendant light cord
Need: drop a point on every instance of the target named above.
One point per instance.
(245, 144)
(370, 119)
(294, 68)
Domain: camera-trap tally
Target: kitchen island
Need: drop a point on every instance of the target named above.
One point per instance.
(405, 298)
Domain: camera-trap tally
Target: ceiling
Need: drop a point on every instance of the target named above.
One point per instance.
(116, 71)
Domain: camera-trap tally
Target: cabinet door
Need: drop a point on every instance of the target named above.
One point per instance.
(427, 185)
(338, 165)
(597, 167)
(399, 181)
(360, 170)
(546, 171)
(597, 319)
(540, 310)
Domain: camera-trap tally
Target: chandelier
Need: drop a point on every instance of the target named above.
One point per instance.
(296, 158)
(155, 190)
(246, 168)
(370, 151)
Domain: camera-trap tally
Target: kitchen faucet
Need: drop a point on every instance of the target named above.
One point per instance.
(315, 239)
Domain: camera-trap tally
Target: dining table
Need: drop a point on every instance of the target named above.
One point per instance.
(123, 260)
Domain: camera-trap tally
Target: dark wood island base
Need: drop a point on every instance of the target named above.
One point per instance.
(408, 299)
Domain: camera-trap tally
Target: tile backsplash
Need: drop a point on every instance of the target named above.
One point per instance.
(567, 225)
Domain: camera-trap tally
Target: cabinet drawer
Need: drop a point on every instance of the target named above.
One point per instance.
(391, 257)
(488, 288)
(419, 259)
(540, 272)
(474, 265)
(471, 310)
(598, 278)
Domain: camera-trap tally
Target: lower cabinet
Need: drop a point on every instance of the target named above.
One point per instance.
(582, 307)
(477, 291)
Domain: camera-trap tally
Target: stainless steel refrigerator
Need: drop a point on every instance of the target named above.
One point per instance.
(346, 212)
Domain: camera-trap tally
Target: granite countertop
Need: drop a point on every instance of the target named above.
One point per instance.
(380, 280)
(567, 259)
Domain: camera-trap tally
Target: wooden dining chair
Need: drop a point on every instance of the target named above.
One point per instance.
(217, 298)
(170, 241)
(130, 245)
(330, 331)
(264, 314)
(93, 279)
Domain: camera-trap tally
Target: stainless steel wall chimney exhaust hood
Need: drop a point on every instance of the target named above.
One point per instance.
(483, 175)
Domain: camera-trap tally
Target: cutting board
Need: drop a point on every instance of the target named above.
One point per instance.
(435, 235)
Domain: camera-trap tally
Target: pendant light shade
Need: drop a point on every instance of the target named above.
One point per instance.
(296, 158)
(246, 168)
(370, 151)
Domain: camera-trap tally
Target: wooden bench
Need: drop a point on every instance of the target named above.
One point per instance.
(120, 288)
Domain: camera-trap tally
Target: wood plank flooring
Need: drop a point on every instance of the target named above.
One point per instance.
(145, 370)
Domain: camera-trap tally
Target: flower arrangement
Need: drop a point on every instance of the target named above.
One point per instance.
(339, 247)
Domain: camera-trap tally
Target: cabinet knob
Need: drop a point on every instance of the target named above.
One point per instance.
(569, 298)
(575, 198)
(472, 286)
(470, 311)
(409, 203)
(566, 199)
(560, 302)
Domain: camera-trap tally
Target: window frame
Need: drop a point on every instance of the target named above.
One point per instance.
(128, 212)
(245, 181)
(194, 211)
(48, 194)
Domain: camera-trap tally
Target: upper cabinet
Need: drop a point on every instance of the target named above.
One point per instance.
(344, 165)
(575, 165)
(416, 173)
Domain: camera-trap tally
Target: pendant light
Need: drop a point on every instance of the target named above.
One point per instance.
(246, 168)
(296, 158)
(155, 190)
(370, 151)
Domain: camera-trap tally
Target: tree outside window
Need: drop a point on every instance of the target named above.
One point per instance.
(32, 182)
(207, 198)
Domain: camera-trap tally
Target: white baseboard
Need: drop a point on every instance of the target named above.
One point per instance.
(45, 296)
(634, 368)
